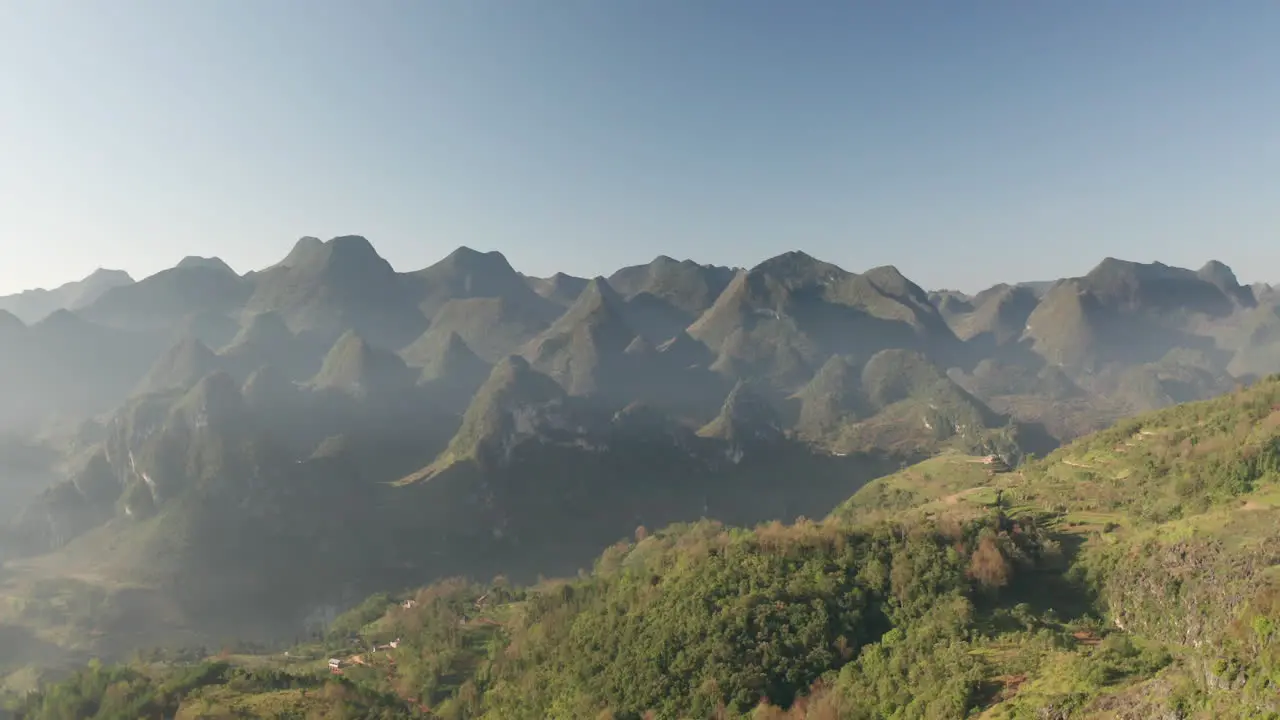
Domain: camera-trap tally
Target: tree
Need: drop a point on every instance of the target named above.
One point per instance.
(988, 564)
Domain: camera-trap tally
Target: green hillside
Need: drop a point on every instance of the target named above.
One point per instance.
(1132, 574)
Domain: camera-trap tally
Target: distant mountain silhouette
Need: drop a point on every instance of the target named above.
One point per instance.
(162, 301)
(327, 288)
(246, 447)
(686, 285)
(467, 273)
(560, 288)
(35, 305)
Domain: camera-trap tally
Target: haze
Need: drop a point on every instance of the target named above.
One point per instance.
(500, 360)
(964, 144)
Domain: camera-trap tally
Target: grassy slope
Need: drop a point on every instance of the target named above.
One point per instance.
(1173, 522)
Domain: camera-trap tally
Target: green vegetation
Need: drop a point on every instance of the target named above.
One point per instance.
(1130, 574)
(206, 690)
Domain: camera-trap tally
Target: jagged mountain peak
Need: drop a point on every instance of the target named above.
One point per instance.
(264, 338)
(303, 251)
(893, 375)
(1113, 274)
(1127, 312)
(31, 306)
(1127, 286)
(888, 274)
(191, 262)
(659, 263)
(997, 315)
(355, 367)
(477, 260)
(160, 302)
(560, 288)
(350, 258)
(467, 273)
(488, 427)
(352, 245)
(452, 359)
(1002, 292)
(890, 280)
(745, 416)
(313, 255)
(581, 350)
(180, 367)
(1114, 264)
(336, 286)
(684, 284)
(1063, 327)
(836, 376)
(951, 302)
(598, 303)
(831, 397)
(789, 314)
(108, 276)
(262, 329)
(598, 289)
(215, 398)
(1218, 273)
(1224, 278)
(515, 379)
(795, 269)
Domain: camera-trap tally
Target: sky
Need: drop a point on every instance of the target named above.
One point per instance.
(967, 143)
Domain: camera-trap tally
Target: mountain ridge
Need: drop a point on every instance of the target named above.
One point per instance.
(36, 304)
(469, 419)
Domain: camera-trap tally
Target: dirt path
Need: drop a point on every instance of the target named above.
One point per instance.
(955, 497)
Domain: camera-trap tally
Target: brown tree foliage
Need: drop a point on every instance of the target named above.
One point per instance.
(988, 564)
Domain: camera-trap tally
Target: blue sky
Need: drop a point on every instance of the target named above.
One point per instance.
(965, 142)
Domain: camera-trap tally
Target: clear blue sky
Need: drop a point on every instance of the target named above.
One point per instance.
(964, 142)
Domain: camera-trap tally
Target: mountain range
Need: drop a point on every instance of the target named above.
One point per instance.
(233, 454)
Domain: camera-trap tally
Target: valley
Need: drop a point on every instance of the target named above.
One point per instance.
(835, 473)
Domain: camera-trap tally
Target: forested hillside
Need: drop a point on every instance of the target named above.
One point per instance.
(1130, 574)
